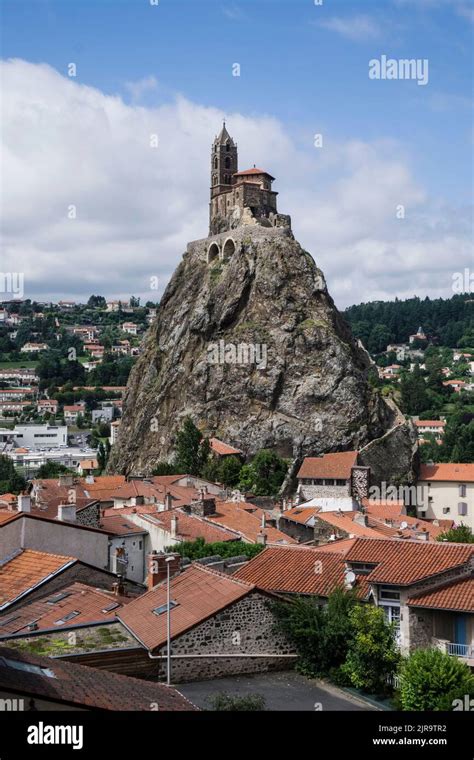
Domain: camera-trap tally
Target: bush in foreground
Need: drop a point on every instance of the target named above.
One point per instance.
(431, 680)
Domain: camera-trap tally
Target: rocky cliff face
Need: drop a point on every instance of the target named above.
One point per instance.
(305, 389)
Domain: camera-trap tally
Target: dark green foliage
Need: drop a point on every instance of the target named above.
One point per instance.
(198, 549)
(229, 703)
(10, 480)
(192, 451)
(372, 656)
(431, 680)
(52, 470)
(264, 475)
(224, 470)
(165, 468)
(413, 389)
(97, 302)
(462, 534)
(450, 320)
(321, 634)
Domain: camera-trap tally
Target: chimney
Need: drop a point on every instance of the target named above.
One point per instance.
(67, 512)
(118, 587)
(174, 526)
(423, 535)
(360, 482)
(262, 538)
(24, 503)
(168, 501)
(157, 567)
(203, 507)
(361, 519)
(90, 479)
(264, 521)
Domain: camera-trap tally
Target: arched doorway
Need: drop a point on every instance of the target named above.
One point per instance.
(228, 249)
(213, 252)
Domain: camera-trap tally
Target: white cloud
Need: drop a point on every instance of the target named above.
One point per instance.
(140, 87)
(137, 206)
(357, 28)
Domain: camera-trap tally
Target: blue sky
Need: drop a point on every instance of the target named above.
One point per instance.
(302, 65)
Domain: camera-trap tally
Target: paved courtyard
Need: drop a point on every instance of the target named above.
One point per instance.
(285, 690)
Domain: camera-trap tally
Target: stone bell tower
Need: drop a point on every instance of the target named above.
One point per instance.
(224, 162)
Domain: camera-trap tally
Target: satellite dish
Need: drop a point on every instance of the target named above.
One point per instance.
(350, 578)
(403, 525)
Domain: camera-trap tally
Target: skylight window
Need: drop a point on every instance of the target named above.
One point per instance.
(9, 620)
(58, 597)
(111, 607)
(67, 617)
(164, 608)
(26, 667)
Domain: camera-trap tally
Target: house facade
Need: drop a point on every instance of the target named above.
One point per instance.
(447, 493)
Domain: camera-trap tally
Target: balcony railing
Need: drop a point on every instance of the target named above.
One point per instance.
(460, 650)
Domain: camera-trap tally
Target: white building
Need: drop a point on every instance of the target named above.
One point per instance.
(447, 493)
(36, 436)
(30, 348)
(31, 460)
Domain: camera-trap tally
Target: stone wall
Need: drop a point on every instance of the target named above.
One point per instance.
(241, 236)
(360, 482)
(244, 628)
(323, 492)
(294, 529)
(323, 531)
(420, 628)
(89, 515)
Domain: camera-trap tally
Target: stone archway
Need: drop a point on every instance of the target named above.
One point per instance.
(212, 252)
(228, 249)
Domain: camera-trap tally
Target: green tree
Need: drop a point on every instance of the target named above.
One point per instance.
(192, 451)
(52, 470)
(461, 534)
(321, 635)
(199, 549)
(101, 456)
(228, 471)
(413, 390)
(264, 475)
(372, 656)
(97, 302)
(431, 680)
(10, 480)
(165, 468)
(304, 623)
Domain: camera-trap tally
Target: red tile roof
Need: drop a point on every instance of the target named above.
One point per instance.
(249, 172)
(27, 569)
(430, 423)
(84, 687)
(118, 525)
(457, 596)
(345, 522)
(298, 570)
(199, 593)
(380, 508)
(90, 603)
(341, 546)
(191, 527)
(223, 449)
(463, 473)
(337, 466)
(301, 514)
(246, 519)
(402, 563)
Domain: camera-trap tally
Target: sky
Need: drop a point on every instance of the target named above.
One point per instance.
(109, 109)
